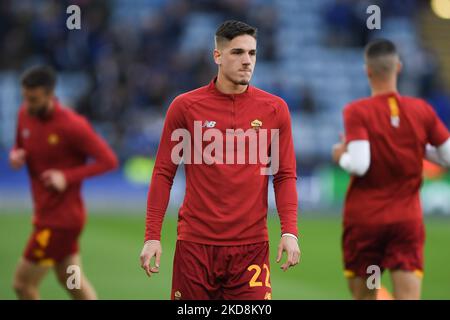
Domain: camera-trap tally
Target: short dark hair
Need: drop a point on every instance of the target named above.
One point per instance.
(380, 47)
(39, 76)
(230, 29)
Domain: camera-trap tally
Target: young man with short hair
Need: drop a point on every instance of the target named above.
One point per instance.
(222, 249)
(55, 144)
(387, 136)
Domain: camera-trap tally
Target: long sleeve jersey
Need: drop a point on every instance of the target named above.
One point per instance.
(226, 192)
(64, 141)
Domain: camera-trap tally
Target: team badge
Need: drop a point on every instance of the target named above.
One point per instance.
(256, 124)
(53, 139)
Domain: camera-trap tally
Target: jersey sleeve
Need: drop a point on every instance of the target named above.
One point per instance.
(163, 172)
(89, 143)
(18, 138)
(354, 125)
(437, 133)
(285, 179)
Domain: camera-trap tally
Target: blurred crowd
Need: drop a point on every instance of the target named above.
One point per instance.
(134, 70)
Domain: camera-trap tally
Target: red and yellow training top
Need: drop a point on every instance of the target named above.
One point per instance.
(225, 203)
(65, 141)
(398, 129)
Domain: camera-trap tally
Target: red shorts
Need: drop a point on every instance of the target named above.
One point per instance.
(397, 246)
(47, 246)
(203, 272)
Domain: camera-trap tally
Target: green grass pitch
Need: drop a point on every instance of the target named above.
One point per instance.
(111, 244)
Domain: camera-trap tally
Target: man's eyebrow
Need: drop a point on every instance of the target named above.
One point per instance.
(241, 49)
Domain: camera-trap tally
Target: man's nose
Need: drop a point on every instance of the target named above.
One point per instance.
(246, 60)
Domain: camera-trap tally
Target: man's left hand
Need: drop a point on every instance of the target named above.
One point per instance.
(289, 245)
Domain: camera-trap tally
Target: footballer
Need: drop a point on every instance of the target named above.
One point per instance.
(387, 136)
(55, 144)
(222, 249)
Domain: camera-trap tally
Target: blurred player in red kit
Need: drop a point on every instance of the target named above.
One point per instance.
(222, 249)
(55, 144)
(387, 136)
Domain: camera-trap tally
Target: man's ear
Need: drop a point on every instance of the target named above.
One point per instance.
(217, 57)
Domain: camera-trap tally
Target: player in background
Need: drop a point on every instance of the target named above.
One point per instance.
(54, 143)
(222, 249)
(387, 136)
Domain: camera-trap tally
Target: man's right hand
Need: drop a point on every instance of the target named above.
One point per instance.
(152, 248)
(17, 158)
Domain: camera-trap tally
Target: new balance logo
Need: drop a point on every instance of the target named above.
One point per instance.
(209, 124)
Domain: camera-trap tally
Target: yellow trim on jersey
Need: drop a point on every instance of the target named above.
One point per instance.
(393, 105)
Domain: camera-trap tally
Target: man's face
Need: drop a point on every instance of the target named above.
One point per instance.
(37, 100)
(236, 59)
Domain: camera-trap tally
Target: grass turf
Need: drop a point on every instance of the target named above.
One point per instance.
(111, 244)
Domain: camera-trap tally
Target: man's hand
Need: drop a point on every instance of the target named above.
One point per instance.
(152, 248)
(54, 179)
(17, 158)
(290, 245)
(339, 149)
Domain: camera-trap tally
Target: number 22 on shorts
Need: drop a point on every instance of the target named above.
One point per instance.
(254, 280)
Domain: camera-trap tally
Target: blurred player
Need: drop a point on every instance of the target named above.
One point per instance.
(55, 144)
(386, 138)
(222, 250)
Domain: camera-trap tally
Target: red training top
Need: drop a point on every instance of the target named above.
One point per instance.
(224, 204)
(398, 129)
(64, 141)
